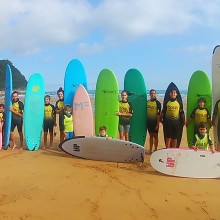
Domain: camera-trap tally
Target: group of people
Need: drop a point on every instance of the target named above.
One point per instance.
(172, 114)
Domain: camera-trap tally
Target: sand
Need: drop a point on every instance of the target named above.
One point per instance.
(49, 184)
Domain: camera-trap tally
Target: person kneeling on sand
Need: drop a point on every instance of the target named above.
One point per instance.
(202, 140)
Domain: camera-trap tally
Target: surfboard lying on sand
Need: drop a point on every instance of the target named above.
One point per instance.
(82, 113)
(8, 103)
(199, 87)
(184, 162)
(98, 148)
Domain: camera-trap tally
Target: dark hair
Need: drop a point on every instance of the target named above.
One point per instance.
(60, 90)
(201, 100)
(47, 96)
(2, 105)
(102, 128)
(202, 125)
(124, 91)
(173, 89)
(67, 107)
(15, 92)
(152, 90)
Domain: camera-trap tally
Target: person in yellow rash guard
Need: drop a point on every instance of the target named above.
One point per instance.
(170, 115)
(202, 140)
(68, 122)
(153, 119)
(49, 120)
(59, 110)
(17, 109)
(199, 114)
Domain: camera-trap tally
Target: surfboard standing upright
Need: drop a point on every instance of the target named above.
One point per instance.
(82, 113)
(34, 111)
(199, 87)
(8, 103)
(216, 87)
(135, 85)
(186, 163)
(74, 76)
(166, 99)
(106, 102)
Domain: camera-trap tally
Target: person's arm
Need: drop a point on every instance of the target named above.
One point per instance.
(194, 144)
(14, 112)
(211, 145)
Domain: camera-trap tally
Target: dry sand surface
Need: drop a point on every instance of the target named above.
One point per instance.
(49, 184)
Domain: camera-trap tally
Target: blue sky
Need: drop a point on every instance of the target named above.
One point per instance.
(166, 40)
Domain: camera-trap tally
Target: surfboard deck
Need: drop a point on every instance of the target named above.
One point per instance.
(216, 87)
(184, 162)
(8, 103)
(199, 87)
(82, 113)
(97, 148)
(34, 111)
(166, 99)
(74, 76)
(107, 103)
(134, 83)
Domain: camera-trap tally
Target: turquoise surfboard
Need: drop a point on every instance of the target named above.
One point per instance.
(199, 87)
(8, 103)
(166, 99)
(134, 84)
(74, 76)
(34, 111)
(107, 103)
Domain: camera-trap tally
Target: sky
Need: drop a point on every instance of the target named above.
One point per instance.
(165, 40)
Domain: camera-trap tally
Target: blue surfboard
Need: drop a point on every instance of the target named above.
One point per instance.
(74, 76)
(8, 103)
(34, 111)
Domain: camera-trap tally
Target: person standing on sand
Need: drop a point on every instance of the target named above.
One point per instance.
(153, 119)
(49, 120)
(172, 111)
(17, 109)
(59, 110)
(124, 113)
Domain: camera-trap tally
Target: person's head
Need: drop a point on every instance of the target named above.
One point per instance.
(201, 102)
(173, 93)
(2, 107)
(60, 93)
(152, 94)
(14, 96)
(47, 99)
(102, 131)
(124, 95)
(202, 128)
(67, 109)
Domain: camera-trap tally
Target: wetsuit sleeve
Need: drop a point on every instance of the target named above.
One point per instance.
(208, 114)
(193, 113)
(131, 108)
(194, 141)
(181, 109)
(56, 105)
(21, 107)
(158, 107)
(164, 108)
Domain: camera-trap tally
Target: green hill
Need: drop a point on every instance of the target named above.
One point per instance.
(19, 81)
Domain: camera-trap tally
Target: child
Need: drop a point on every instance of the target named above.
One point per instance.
(200, 114)
(170, 115)
(68, 122)
(2, 120)
(49, 120)
(153, 119)
(202, 140)
(125, 114)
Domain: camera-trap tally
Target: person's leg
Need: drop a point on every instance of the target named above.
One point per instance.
(121, 132)
(21, 136)
(173, 143)
(51, 139)
(155, 141)
(12, 138)
(151, 142)
(168, 142)
(45, 140)
(126, 132)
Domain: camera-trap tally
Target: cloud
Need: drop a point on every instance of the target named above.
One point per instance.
(88, 49)
(28, 27)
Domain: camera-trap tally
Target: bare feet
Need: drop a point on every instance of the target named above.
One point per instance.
(14, 146)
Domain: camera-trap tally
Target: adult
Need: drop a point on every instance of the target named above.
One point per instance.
(170, 115)
(17, 109)
(59, 110)
(124, 113)
(153, 119)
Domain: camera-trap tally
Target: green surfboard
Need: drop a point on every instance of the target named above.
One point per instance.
(107, 103)
(135, 85)
(199, 87)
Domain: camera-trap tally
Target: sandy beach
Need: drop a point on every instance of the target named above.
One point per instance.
(49, 184)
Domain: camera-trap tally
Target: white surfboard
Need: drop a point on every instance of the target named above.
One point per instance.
(98, 148)
(186, 163)
(216, 85)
